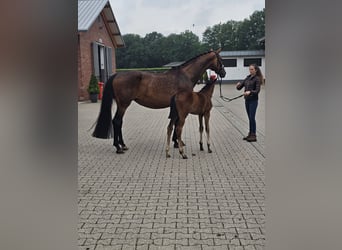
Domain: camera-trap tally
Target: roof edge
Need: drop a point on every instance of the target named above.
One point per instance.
(95, 16)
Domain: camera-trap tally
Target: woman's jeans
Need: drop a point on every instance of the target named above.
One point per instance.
(251, 106)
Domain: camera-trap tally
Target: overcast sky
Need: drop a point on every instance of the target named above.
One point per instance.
(175, 16)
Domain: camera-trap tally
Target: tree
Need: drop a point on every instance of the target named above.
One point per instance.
(155, 50)
(188, 45)
(237, 35)
(256, 29)
(133, 54)
(222, 36)
(242, 35)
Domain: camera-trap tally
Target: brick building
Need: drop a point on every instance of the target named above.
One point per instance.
(98, 37)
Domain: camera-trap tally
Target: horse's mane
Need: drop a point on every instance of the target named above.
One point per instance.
(188, 61)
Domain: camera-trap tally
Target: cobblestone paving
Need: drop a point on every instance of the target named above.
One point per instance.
(141, 200)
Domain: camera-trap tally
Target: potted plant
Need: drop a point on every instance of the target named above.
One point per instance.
(93, 88)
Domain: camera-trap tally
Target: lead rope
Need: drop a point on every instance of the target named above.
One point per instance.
(226, 99)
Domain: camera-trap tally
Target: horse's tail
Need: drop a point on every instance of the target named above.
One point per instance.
(104, 127)
(173, 110)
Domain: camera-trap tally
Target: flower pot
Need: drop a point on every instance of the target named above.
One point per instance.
(93, 97)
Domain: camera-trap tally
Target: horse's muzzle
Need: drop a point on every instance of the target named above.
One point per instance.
(222, 73)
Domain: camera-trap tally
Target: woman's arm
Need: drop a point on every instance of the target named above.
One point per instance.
(240, 85)
(257, 86)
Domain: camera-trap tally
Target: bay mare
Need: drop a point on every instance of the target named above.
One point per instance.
(152, 90)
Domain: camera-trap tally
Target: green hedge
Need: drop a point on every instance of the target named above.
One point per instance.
(160, 70)
(145, 69)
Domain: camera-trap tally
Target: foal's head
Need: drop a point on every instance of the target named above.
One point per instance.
(208, 88)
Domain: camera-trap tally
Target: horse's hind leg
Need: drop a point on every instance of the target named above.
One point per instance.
(200, 119)
(169, 131)
(121, 142)
(206, 120)
(117, 124)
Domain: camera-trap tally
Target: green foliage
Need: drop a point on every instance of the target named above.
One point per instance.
(237, 35)
(156, 50)
(93, 87)
(156, 70)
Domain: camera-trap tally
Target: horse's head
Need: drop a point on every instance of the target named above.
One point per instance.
(195, 67)
(218, 66)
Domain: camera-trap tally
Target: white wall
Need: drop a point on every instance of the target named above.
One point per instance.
(240, 72)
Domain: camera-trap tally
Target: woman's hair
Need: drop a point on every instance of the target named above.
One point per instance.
(258, 72)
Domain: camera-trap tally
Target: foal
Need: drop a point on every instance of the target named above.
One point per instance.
(190, 102)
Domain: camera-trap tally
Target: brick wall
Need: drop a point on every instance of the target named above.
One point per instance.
(85, 67)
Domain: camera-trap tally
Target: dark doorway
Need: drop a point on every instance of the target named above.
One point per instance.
(102, 61)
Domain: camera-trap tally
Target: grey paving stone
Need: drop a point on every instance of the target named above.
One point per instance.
(141, 200)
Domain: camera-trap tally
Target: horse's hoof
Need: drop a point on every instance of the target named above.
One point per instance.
(185, 157)
(175, 145)
(209, 151)
(120, 151)
(201, 149)
(168, 156)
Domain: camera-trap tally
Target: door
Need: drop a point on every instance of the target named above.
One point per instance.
(102, 61)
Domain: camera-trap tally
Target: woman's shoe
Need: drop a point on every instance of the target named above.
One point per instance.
(251, 138)
(246, 137)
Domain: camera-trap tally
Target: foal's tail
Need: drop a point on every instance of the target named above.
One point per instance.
(104, 127)
(173, 110)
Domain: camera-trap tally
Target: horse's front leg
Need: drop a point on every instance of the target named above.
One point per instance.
(206, 120)
(179, 129)
(200, 119)
(169, 131)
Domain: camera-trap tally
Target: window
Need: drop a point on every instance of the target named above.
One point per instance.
(229, 62)
(249, 61)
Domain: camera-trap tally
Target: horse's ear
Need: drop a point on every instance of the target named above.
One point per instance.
(218, 51)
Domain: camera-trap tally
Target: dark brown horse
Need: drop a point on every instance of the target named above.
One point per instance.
(189, 102)
(153, 90)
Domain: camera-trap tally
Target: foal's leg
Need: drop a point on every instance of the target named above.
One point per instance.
(206, 120)
(200, 119)
(174, 137)
(179, 129)
(169, 131)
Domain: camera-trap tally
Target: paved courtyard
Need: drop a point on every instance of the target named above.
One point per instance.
(143, 200)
